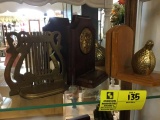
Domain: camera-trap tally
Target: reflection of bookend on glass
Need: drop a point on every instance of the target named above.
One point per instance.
(1, 100)
(5, 102)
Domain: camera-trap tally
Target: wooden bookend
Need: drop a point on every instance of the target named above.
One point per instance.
(119, 50)
(82, 54)
(108, 52)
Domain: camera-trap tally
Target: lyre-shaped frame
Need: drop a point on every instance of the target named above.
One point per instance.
(37, 51)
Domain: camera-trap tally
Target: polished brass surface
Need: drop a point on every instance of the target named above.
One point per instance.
(143, 61)
(86, 40)
(37, 51)
(99, 54)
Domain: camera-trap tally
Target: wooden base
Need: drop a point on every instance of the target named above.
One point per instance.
(92, 79)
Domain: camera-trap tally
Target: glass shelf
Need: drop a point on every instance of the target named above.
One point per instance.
(48, 106)
(13, 103)
(45, 107)
(10, 105)
(53, 104)
(17, 103)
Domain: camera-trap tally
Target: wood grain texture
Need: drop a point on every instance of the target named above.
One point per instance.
(108, 51)
(122, 47)
(130, 20)
(145, 80)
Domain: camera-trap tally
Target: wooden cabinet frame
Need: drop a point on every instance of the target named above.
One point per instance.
(130, 20)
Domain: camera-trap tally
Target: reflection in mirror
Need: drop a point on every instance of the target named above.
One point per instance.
(34, 26)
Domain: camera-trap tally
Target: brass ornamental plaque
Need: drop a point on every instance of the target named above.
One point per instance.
(86, 40)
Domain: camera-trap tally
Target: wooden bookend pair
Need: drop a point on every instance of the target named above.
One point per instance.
(119, 50)
(33, 76)
(81, 41)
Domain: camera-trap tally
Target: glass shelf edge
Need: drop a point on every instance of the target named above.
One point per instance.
(153, 97)
(61, 105)
(48, 106)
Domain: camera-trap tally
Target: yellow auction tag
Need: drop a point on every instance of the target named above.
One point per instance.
(122, 100)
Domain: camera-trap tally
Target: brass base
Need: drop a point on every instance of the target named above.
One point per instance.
(42, 90)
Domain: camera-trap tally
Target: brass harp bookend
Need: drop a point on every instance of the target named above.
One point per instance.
(37, 51)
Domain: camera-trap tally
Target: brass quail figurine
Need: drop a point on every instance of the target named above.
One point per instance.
(143, 61)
